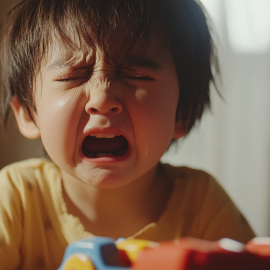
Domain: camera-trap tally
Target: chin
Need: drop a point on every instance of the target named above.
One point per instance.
(107, 180)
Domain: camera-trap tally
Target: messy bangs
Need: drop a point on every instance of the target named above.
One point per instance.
(32, 28)
(102, 23)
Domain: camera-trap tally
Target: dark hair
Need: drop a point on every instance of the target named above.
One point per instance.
(28, 31)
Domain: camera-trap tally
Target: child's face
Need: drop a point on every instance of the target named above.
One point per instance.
(82, 98)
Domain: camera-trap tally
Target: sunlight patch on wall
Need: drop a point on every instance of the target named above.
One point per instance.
(248, 24)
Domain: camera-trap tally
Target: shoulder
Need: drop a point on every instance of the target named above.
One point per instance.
(27, 165)
(26, 189)
(28, 220)
(192, 178)
(208, 209)
(198, 192)
(194, 190)
(25, 174)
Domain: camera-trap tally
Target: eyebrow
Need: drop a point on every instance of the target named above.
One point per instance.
(128, 62)
(135, 61)
(59, 63)
(65, 61)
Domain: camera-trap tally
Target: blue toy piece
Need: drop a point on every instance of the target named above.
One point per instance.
(97, 253)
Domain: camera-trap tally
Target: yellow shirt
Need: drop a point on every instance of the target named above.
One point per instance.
(35, 227)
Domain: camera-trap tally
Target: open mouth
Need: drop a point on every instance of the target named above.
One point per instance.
(104, 145)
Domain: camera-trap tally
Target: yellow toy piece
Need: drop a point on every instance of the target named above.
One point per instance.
(78, 262)
(132, 247)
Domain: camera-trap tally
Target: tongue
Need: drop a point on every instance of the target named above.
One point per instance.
(93, 145)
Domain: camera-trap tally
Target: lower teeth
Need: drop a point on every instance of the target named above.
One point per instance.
(120, 153)
(104, 155)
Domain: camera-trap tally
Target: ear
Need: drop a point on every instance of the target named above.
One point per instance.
(179, 130)
(26, 125)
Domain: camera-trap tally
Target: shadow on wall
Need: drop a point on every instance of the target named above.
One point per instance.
(14, 147)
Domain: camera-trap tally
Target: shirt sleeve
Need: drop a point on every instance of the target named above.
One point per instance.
(10, 223)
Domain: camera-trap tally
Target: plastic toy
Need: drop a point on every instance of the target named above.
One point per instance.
(260, 246)
(195, 254)
(98, 253)
(130, 248)
(101, 253)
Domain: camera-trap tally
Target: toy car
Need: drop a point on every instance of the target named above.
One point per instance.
(129, 249)
(92, 254)
(101, 253)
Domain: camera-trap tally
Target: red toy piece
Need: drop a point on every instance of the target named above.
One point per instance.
(259, 246)
(195, 254)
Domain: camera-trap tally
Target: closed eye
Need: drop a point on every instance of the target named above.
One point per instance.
(80, 76)
(67, 80)
(137, 75)
(138, 78)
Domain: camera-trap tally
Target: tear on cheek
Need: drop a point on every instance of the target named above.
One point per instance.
(94, 147)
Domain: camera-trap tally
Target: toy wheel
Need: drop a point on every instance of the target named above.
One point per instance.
(78, 262)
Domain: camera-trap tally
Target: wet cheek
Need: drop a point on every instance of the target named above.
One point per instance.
(58, 126)
(155, 118)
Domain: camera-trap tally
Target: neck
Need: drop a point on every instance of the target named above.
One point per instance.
(127, 209)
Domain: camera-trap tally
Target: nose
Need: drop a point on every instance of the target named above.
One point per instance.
(103, 101)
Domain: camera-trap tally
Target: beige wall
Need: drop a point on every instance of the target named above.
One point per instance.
(13, 146)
